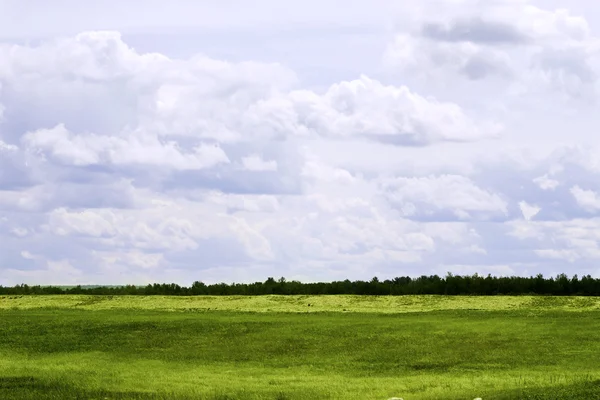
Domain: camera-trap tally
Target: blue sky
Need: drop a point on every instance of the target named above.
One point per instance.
(229, 141)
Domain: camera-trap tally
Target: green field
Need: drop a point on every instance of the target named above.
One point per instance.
(279, 347)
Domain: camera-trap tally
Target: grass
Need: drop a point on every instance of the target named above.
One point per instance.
(414, 347)
(296, 304)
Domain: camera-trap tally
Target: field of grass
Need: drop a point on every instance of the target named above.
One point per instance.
(300, 304)
(276, 347)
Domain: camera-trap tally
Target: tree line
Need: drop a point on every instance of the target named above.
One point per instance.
(560, 285)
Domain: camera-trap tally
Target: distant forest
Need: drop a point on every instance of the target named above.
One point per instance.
(560, 285)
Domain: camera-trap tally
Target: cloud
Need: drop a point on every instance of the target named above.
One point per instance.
(27, 255)
(433, 58)
(195, 119)
(474, 30)
(20, 232)
(158, 103)
(98, 74)
(256, 163)
(7, 148)
(367, 109)
(434, 194)
(571, 240)
(587, 199)
(535, 49)
(546, 183)
(131, 258)
(247, 203)
(55, 272)
(137, 148)
(529, 211)
(133, 157)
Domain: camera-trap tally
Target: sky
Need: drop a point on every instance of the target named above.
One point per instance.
(231, 141)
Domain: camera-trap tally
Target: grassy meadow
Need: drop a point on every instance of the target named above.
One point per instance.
(279, 347)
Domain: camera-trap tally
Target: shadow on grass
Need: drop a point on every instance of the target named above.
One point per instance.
(577, 391)
(31, 388)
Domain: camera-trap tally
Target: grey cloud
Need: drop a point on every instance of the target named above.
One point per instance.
(567, 70)
(484, 64)
(475, 30)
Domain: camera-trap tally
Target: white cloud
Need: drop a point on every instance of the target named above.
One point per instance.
(141, 156)
(255, 162)
(248, 203)
(563, 254)
(27, 255)
(315, 169)
(162, 226)
(7, 147)
(457, 194)
(91, 149)
(136, 259)
(546, 183)
(77, 81)
(587, 199)
(20, 232)
(528, 210)
(368, 109)
(571, 240)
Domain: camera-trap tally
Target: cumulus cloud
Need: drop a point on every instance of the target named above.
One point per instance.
(587, 199)
(90, 149)
(534, 47)
(98, 74)
(144, 157)
(201, 115)
(151, 96)
(429, 195)
(368, 109)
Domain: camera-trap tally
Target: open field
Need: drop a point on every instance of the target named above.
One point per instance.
(414, 347)
(295, 304)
